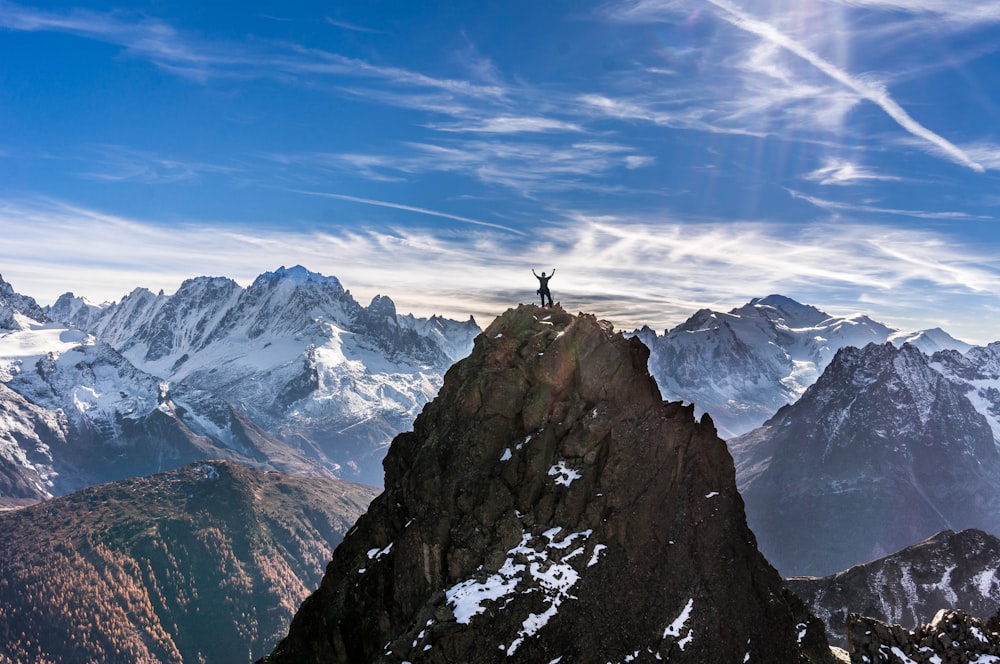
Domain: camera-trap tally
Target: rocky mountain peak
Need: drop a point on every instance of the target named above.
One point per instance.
(743, 365)
(548, 504)
(298, 276)
(784, 309)
(382, 307)
(883, 446)
(17, 309)
(76, 311)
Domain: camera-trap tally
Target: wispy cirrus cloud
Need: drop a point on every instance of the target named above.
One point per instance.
(139, 35)
(986, 11)
(187, 55)
(874, 209)
(687, 113)
(843, 172)
(631, 270)
(119, 163)
(345, 25)
(797, 79)
(865, 88)
(524, 166)
(410, 208)
(510, 124)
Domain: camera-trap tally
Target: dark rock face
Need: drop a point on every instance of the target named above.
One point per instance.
(548, 504)
(956, 570)
(952, 637)
(881, 452)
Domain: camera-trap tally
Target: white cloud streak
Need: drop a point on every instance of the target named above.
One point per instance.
(978, 12)
(187, 56)
(527, 167)
(509, 124)
(843, 172)
(118, 163)
(873, 92)
(630, 271)
(853, 207)
(409, 208)
(351, 26)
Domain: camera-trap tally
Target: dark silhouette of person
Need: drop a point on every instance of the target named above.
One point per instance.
(543, 285)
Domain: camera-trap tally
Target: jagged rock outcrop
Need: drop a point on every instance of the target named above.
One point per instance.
(882, 447)
(955, 570)
(84, 315)
(17, 310)
(952, 637)
(549, 506)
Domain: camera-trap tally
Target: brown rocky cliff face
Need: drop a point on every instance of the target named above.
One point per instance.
(548, 504)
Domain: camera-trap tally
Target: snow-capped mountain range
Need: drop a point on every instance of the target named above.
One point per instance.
(742, 366)
(881, 452)
(293, 373)
(290, 373)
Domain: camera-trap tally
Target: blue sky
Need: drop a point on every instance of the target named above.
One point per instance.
(663, 155)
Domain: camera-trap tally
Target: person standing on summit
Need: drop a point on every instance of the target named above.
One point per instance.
(543, 285)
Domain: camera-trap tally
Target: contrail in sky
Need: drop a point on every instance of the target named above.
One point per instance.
(873, 93)
(408, 208)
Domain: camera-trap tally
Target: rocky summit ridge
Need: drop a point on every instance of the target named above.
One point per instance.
(549, 506)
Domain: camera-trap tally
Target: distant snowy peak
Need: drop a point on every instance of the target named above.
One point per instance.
(930, 341)
(978, 371)
(289, 302)
(897, 383)
(775, 311)
(160, 325)
(454, 337)
(743, 365)
(382, 307)
(79, 312)
(908, 587)
(785, 310)
(17, 311)
(299, 276)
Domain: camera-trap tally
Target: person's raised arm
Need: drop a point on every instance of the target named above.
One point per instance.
(533, 272)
